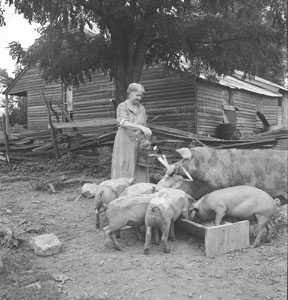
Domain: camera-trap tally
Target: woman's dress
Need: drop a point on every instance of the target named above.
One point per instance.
(124, 157)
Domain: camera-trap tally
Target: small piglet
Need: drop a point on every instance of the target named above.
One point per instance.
(240, 202)
(126, 210)
(107, 191)
(162, 211)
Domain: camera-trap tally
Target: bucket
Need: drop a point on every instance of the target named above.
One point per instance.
(145, 157)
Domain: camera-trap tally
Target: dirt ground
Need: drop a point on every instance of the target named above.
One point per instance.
(93, 270)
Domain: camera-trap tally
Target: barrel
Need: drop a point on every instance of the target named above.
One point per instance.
(227, 131)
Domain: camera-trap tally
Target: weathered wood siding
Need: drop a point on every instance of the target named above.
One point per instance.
(246, 116)
(209, 107)
(30, 80)
(169, 100)
(270, 109)
(32, 83)
(284, 110)
(92, 100)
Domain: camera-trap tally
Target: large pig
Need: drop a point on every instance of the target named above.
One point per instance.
(221, 168)
(196, 188)
(126, 210)
(162, 211)
(107, 191)
(240, 202)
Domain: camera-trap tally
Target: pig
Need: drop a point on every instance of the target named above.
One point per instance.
(240, 202)
(222, 168)
(196, 188)
(118, 184)
(126, 210)
(140, 188)
(162, 211)
(87, 190)
(107, 191)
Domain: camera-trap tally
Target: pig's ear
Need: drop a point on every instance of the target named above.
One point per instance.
(185, 153)
(132, 180)
(191, 199)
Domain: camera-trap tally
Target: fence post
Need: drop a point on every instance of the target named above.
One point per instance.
(53, 132)
(6, 141)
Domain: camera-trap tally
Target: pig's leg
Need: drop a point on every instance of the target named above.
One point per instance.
(97, 218)
(184, 213)
(172, 232)
(109, 234)
(148, 239)
(164, 238)
(220, 213)
(156, 234)
(261, 230)
(269, 228)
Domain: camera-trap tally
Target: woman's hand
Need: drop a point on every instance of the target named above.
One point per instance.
(146, 131)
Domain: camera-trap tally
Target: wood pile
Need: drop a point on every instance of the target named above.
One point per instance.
(38, 146)
(264, 140)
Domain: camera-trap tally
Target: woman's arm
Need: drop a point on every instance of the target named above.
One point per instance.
(126, 124)
(122, 120)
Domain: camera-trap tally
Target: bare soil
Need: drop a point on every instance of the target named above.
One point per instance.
(95, 271)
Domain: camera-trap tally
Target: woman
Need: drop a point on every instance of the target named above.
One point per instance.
(131, 120)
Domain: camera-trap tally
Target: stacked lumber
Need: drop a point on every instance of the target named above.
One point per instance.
(263, 140)
(38, 146)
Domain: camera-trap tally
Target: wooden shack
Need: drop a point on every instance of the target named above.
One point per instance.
(197, 106)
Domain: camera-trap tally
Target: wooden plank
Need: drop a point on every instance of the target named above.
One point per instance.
(226, 238)
(92, 123)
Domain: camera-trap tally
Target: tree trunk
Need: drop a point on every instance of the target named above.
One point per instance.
(129, 54)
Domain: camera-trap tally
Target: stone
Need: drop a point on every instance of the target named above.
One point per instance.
(46, 244)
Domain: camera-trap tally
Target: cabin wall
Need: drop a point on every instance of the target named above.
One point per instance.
(169, 100)
(283, 111)
(246, 116)
(270, 110)
(92, 100)
(210, 101)
(209, 108)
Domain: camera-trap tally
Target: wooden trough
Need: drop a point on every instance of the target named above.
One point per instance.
(219, 239)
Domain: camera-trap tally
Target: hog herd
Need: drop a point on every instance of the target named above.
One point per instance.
(242, 184)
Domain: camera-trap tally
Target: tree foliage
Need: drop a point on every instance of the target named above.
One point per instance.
(205, 36)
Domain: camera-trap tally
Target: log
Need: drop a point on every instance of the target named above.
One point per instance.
(53, 132)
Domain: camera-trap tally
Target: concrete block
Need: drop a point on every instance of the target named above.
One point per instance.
(46, 244)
